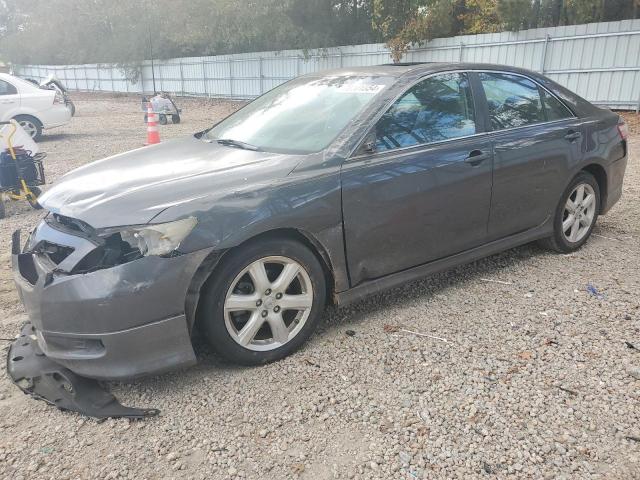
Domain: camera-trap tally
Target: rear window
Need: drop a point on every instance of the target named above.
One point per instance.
(7, 89)
(554, 109)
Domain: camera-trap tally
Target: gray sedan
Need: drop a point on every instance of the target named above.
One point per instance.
(330, 187)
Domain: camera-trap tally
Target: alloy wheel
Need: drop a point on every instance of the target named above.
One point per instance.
(29, 127)
(579, 213)
(268, 303)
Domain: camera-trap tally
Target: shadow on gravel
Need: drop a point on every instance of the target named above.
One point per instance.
(358, 312)
(210, 367)
(56, 137)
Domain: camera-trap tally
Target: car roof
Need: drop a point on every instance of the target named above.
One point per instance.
(17, 80)
(416, 69)
(7, 76)
(405, 73)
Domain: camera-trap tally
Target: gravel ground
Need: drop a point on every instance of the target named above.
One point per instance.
(534, 380)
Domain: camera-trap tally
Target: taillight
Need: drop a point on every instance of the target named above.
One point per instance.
(58, 98)
(623, 130)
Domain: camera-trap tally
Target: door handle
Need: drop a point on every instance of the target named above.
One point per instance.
(476, 157)
(572, 135)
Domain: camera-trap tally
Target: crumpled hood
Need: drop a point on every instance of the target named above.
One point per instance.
(133, 187)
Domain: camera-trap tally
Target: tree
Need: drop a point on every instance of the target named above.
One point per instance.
(518, 14)
(118, 31)
(479, 16)
(329, 22)
(406, 22)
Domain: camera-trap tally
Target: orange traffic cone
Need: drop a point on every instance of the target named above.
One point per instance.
(153, 135)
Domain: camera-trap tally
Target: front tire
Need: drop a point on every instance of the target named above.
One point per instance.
(263, 301)
(575, 215)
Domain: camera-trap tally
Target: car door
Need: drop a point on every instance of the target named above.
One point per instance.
(423, 189)
(534, 138)
(9, 100)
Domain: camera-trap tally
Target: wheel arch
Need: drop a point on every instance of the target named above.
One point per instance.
(600, 174)
(30, 115)
(208, 267)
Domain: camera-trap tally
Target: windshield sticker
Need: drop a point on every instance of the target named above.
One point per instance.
(360, 88)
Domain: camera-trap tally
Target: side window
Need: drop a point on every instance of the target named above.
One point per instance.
(437, 108)
(554, 109)
(7, 89)
(513, 100)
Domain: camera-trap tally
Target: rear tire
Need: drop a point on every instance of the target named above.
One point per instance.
(175, 118)
(163, 119)
(31, 125)
(281, 314)
(575, 215)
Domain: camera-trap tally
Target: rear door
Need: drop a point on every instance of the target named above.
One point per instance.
(423, 190)
(9, 100)
(535, 139)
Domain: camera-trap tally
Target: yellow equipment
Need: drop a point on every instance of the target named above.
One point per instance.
(20, 172)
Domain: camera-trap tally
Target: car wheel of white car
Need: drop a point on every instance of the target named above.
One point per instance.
(31, 125)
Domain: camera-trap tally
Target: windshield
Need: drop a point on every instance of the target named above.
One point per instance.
(301, 116)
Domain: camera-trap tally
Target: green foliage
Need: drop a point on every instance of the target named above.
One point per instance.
(122, 31)
(480, 16)
(403, 23)
(522, 14)
(406, 22)
(518, 14)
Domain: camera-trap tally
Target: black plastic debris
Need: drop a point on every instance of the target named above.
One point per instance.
(633, 346)
(42, 378)
(487, 468)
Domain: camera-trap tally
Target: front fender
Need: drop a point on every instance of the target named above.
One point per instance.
(310, 204)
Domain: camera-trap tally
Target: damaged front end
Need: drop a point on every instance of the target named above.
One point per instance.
(37, 375)
(89, 251)
(103, 305)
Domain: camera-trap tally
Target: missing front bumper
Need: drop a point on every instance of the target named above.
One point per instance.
(37, 375)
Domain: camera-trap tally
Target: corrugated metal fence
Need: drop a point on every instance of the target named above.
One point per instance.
(600, 61)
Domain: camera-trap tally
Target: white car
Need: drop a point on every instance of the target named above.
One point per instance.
(33, 107)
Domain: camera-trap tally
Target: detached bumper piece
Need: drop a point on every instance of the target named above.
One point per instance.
(42, 378)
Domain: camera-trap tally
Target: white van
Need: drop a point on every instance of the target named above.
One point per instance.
(33, 107)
